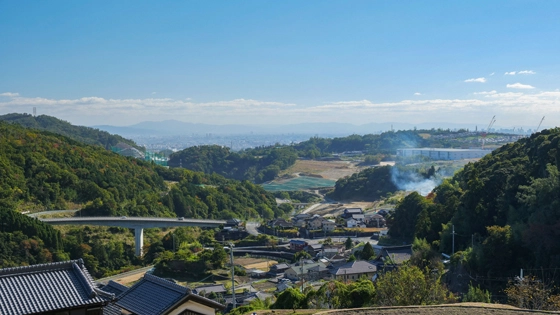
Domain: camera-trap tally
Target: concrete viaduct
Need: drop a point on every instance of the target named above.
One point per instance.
(136, 223)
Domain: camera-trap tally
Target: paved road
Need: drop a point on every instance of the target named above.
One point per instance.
(134, 222)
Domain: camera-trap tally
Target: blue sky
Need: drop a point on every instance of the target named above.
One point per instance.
(263, 62)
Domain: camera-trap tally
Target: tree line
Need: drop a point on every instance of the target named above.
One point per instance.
(503, 210)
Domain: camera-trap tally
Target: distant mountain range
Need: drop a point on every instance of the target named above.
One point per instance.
(175, 127)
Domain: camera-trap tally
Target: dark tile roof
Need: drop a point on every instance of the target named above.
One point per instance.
(354, 267)
(397, 254)
(207, 289)
(353, 210)
(282, 266)
(49, 287)
(153, 296)
(115, 288)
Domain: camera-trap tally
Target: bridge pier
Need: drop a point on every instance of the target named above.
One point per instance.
(139, 240)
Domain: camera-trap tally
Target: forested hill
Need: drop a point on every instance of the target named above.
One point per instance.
(385, 143)
(257, 165)
(507, 205)
(369, 184)
(79, 133)
(265, 163)
(41, 170)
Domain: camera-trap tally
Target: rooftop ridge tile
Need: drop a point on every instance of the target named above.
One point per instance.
(40, 267)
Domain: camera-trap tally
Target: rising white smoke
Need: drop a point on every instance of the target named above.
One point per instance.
(412, 181)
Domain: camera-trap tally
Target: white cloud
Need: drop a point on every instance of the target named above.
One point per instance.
(519, 86)
(480, 80)
(98, 110)
(491, 74)
(486, 92)
(154, 93)
(9, 94)
(520, 72)
(417, 94)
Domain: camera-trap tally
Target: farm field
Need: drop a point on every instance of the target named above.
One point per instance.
(299, 183)
(332, 170)
(254, 263)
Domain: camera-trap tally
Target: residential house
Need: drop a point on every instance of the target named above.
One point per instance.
(328, 226)
(315, 270)
(348, 212)
(351, 222)
(206, 290)
(313, 249)
(394, 255)
(279, 268)
(302, 216)
(336, 261)
(257, 296)
(281, 224)
(359, 217)
(330, 251)
(282, 286)
(354, 270)
(376, 220)
(297, 245)
(315, 223)
(153, 295)
(300, 223)
(53, 288)
(114, 287)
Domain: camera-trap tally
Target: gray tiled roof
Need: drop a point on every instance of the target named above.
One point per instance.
(152, 296)
(115, 288)
(48, 287)
(355, 267)
(397, 254)
(207, 289)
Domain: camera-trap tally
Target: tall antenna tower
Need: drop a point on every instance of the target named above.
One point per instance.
(540, 124)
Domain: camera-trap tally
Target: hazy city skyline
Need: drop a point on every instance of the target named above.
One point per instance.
(285, 62)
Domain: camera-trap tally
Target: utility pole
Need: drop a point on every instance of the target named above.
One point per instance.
(232, 275)
(301, 262)
(453, 245)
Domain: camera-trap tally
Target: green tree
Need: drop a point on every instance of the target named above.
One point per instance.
(476, 294)
(367, 252)
(348, 244)
(408, 285)
(290, 299)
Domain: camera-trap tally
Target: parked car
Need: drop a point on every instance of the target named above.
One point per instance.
(123, 217)
(181, 218)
